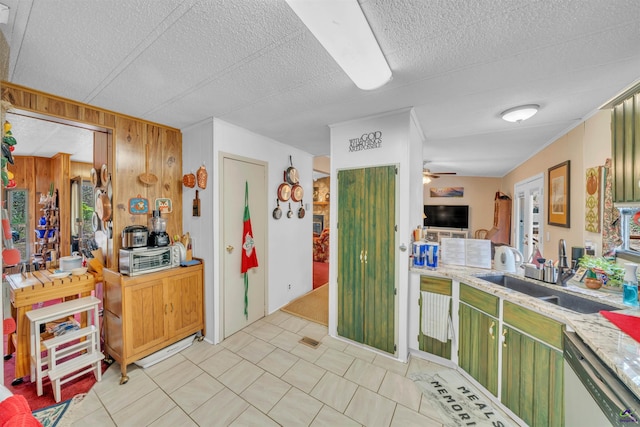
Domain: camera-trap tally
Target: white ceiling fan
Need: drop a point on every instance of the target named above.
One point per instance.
(427, 175)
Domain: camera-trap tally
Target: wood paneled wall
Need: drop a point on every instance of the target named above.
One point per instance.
(82, 170)
(125, 154)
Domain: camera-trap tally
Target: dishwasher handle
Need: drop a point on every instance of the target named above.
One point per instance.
(589, 368)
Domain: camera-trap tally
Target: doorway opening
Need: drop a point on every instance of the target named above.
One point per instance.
(528, 216)
(321, 236)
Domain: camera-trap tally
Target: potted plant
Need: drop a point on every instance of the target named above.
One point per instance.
(600, 269)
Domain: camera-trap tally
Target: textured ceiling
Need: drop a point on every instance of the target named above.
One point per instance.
(253, 63)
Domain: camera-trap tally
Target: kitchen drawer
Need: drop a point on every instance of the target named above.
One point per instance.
(479, 299)
(534, 324)
(436, 285)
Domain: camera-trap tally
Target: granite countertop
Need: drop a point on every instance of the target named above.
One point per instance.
(616, 349)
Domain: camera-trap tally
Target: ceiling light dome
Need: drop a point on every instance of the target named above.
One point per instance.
(518, 114)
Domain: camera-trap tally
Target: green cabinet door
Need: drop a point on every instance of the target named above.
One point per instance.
(478, 352)
(478, 343)
(366, 256)
(532, 366)
(351, 234)
(625, 149)
(532, 379)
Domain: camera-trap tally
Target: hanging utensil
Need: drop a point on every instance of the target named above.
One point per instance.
(301, 211)
(103, 206)
(104, 174)
(202, 177)
(290, 213)
(297, 192)
(189, 180)
(284, 192)
(291, 175)
(277, 212)
(196, 205)
(95, 178)
(146, 177)
(95, 221)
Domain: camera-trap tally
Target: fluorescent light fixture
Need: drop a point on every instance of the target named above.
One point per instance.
(518, 114)
(342, 29)
(4, 13)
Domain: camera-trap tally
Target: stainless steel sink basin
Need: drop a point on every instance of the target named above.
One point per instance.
(558, 296)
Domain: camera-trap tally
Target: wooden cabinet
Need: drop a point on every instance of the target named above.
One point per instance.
(532, 366)
(501, 232)
(146, 313)
(478, 326)
(625, 149)
(441, 286)
(366, 256)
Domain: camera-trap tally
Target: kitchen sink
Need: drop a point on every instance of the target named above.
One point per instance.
(558, 297)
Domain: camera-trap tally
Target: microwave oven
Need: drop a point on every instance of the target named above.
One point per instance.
(138, 261)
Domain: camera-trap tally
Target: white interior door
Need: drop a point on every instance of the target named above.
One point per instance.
(529, 215)
(235, 172)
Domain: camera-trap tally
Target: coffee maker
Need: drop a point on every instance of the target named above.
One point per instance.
(158, 235)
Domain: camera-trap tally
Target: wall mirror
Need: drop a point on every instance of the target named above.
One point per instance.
(44, 137)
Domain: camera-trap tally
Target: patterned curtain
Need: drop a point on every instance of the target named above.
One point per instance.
(611, 216)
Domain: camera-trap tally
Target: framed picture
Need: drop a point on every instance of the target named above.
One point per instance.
(446, 192)
(558, 195)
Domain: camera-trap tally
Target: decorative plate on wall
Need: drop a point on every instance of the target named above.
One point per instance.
(164, 205)
(138, 205)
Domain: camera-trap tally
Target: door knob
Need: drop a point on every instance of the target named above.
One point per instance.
(229, 248)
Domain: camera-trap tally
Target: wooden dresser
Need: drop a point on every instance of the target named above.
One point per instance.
(145, 313)
(502, 219)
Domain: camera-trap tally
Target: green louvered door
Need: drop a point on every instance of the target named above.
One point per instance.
(351, 236)
(366, 256)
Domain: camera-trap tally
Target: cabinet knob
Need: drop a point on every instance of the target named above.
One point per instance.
(229, 248)
(491, 334)
(504, 337)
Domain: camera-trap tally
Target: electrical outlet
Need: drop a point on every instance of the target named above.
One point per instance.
(289, 286)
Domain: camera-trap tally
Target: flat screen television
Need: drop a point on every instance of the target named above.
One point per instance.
(446, 216)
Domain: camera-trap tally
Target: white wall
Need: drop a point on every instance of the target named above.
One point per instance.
(412, 313)
(290, 240)
(197, 149)
(399, 147)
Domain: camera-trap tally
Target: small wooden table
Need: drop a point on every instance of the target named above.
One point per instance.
(35, 288)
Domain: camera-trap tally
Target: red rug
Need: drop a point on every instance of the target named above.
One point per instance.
(320, 274)
(74, 387)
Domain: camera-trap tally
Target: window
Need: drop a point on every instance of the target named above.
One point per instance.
(18, 211)
(630, 230)
(83, 223)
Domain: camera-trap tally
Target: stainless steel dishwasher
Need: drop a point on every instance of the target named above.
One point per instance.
(593, 394)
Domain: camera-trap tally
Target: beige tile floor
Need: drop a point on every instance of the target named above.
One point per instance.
(262, 376)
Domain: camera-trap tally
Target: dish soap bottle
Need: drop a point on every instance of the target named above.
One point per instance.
(630, 285)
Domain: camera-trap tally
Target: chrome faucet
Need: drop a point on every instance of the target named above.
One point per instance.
(564, 271)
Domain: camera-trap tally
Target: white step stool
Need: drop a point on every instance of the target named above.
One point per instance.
(88, 352)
